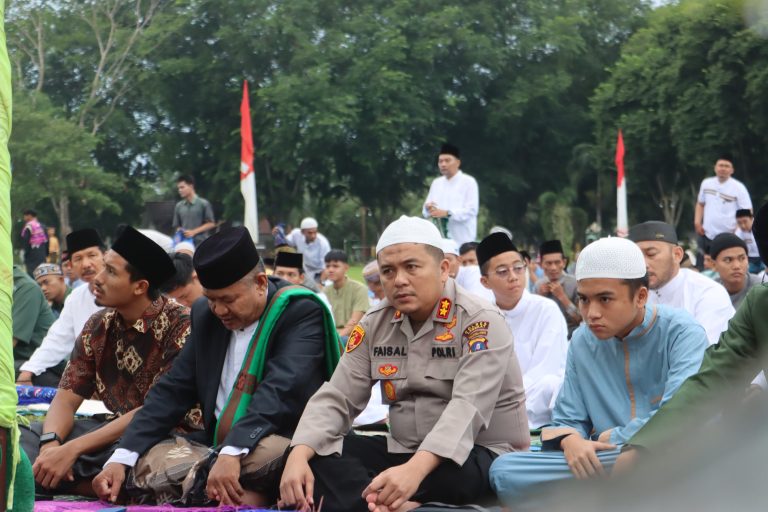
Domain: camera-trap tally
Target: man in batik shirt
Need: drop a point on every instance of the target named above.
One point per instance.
(119, 355)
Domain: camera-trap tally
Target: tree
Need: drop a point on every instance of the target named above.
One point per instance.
(52, 162)
(688, 86)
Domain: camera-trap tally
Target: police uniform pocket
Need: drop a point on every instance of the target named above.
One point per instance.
(444, 369)
(388, 369)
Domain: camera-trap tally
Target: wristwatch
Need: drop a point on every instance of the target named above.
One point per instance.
(50, 436)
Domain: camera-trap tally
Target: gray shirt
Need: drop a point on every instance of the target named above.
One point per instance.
(569, 284)
(750, 280)
(190, 215)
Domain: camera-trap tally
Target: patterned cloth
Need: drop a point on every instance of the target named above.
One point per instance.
(119, 363)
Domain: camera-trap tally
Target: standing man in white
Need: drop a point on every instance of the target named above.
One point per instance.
(719, 198)
(453, 200)
(312, 245)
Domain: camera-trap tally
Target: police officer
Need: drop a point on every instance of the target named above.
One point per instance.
(446, 366)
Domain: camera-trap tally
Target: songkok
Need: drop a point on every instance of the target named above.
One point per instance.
(653, 231)
(289, 259)
(225, 258)
(450, 149)
(450, 246)
(47, 269)
(725, 241)
(493, 245)
(371, 271)
(760, 232)
(83, 239)
(410, 230)
(308, 223)
(743, 212)
(725, 156)
(145, 255)
(551, 247)
(611, 258)
(501, 229)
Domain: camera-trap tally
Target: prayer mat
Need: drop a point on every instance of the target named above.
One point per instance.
(97, 506)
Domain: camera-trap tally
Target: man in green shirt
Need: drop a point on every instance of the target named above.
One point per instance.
(349, 299)
(727, 369)
(50, 278)
(32, 316)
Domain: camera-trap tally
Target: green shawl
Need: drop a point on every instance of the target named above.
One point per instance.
(252, 370)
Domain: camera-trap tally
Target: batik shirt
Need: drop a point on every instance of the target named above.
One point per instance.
(119, 363)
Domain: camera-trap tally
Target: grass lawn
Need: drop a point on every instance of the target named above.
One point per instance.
(356, 273)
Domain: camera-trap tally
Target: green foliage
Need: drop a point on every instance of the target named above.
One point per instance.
(52, 162)
(688, 86)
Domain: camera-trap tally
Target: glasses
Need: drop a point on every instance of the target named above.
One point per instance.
(504, 272)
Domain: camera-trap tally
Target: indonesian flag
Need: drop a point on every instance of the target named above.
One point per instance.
(247, 176)
(622, 227)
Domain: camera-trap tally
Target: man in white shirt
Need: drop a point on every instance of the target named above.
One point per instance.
(87, 258)
(453, 199)
(538, 327)
(744, 220)
(706, 300)
(312, 245)
(719, 198)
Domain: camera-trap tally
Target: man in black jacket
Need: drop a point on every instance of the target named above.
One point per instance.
(248, 441)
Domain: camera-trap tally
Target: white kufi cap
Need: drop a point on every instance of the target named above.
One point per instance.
(612, 258)
(410, 230)
(308, 223)
(450, 246)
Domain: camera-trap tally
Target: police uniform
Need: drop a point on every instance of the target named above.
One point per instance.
(454, 389)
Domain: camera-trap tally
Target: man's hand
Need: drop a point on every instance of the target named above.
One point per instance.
(392, 487)
(297, 484)
(625, 462)
(25, 378)
(436, 212)
(605, 437)
(556, 289)
(699, 228)
(543, 289)
(108, 483)
(53, 464)
(190, 233)
(581, 456)
(224, 481)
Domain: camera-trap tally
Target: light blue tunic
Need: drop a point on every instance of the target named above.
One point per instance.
(612, 385)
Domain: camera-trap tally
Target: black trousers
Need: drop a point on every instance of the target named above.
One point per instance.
(86, 466)
(340, 480)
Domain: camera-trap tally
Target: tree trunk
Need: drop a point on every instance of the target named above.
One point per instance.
(63, 212)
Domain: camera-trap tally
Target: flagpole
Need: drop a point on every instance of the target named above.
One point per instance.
(622, 224)
(247, 173)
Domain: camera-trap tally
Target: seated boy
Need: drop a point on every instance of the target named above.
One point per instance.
(626, 362)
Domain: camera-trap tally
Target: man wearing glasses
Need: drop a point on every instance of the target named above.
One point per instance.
(539, 329)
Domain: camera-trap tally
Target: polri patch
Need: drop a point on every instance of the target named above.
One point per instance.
(447, 335)
(397, 316)
(444, 308)
(389, 390)
(355, 338)
(388, 369)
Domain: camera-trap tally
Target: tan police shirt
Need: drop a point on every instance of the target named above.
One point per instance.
(453, 384)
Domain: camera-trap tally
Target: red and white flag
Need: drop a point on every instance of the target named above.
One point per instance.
(622, 227)
(247, 176)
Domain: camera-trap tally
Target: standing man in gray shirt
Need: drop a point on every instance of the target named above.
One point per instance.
(193, 215)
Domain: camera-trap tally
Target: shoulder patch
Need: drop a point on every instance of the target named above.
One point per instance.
(444, 309)
(355, 338)
(476, 328)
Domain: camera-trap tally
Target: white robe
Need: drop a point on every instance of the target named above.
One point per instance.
(541, 345)
(706, 300)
